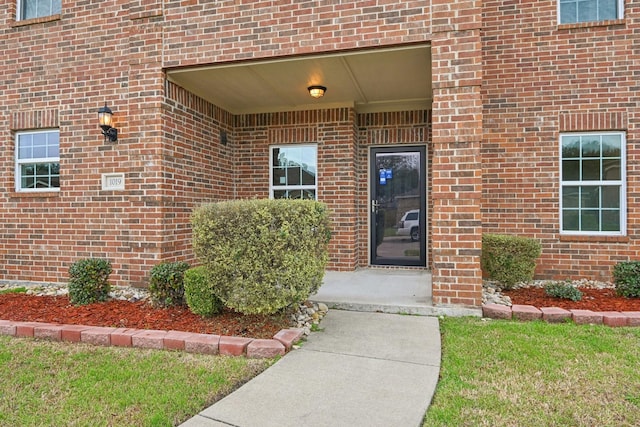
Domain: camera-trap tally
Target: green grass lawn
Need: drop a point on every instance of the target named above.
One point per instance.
(59, 384)
(503, 373)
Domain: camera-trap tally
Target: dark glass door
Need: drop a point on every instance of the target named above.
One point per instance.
(398, 206)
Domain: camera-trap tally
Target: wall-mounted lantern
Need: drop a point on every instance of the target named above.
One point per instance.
(105, 118)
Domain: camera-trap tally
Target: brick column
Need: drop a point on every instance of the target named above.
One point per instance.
(456, 164)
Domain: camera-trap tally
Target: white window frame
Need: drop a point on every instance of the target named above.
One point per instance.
(620, 5)
(622, 183)
(273, 188)
(21, 9)
(33, 160)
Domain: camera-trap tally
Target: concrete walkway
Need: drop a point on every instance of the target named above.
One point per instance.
(363, 369)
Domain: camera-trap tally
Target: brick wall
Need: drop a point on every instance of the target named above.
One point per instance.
(117, 51)
(541, 79)
(457, 134)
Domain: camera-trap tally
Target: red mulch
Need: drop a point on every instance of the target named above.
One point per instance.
(136, 315)
(592, 299)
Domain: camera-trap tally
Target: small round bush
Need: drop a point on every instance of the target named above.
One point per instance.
(89, 281)
(626, 276)
(563, 290)
(262, 255)
(166, 286)
(509, 259)
(199, 293)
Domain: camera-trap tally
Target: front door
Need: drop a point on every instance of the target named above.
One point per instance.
(398, 206)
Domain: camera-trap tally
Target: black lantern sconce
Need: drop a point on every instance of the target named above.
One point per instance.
(105, 118)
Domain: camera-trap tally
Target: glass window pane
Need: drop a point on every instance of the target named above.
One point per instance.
(610, 220)
(56, 7)
(611, 169)
(53, 144)
(27, 182)
(29, 9)
(309, 194)
(276, 157)
(308, 177)
(570, 197)
(294, 175)
(611, 146)
(590, 146)
(279, 194)
(590, 220)
(587, 11)
(279, 177)
(590, 197)
(611, 196)
(55, 181)
(25, 146)
(27, 170)
(570, 147)
(607, 9)
(571, 170)
(591, 170)
(568, 12)
(570, 220)
(44, 7)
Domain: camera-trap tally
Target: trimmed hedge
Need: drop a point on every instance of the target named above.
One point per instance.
(88, 281)
(262, 255)
(199, 293)
(166, 286)
(626, 276)
(509, 259)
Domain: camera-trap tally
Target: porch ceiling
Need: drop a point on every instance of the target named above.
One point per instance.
(373, 80)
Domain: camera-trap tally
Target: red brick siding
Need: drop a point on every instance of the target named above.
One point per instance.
(229, 30)
(541, 79)
(72, 63)
(456, 164)
(197, 167)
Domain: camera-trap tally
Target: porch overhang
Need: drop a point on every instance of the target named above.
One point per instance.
(375, 80)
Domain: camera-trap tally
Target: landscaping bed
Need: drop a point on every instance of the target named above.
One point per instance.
(592, 299)
(138, 315)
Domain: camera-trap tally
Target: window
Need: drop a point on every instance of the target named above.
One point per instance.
(29, 9)
(572, 11)
(593, 185)
(38, 161)
(293, 172)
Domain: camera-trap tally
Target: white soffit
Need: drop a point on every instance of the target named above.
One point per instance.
(394, 79)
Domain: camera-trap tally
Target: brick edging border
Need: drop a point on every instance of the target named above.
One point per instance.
(157, 339)
(556, 315)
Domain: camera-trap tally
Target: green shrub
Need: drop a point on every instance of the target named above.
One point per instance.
(626, 276)
(509, 259)
(199, 293)
(262, 255)
(166, 286)
(563, 290)
(89, 281)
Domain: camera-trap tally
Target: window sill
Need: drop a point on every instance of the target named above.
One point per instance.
(34, 194)
(610, 22)
(40, 20)
(594, 239)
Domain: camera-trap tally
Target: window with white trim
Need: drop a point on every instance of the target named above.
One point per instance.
(574, 11)
(30, 9)
(592, 200)
(38, 160)
(293, 171)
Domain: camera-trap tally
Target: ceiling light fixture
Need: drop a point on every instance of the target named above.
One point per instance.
(317, 91)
